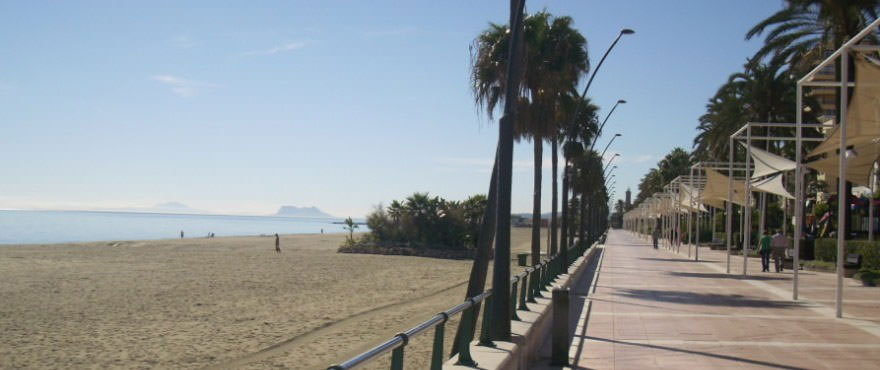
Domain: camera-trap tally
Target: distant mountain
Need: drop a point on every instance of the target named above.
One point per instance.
(291, 211)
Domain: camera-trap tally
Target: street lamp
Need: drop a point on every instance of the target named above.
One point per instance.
(610, 160)
(625, 31)
(599, 132)
(609, 144)
(611, 170)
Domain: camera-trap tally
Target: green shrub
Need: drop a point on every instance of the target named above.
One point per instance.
(826, 250)
(820, 265)
(868, 276)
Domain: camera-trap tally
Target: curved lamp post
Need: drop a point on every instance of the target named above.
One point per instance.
(609, 144)
(599, 132)
(610, 160)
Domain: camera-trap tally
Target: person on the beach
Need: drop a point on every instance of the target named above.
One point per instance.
(277, 244)
(655, 235)
(779, 244)
(181, 234)
(765, 251)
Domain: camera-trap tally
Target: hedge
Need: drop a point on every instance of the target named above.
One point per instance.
(826, 250)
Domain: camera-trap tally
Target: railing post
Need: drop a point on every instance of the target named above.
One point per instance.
(486, 329)
(397, 354)
(532, 275)
(513, 300)
(561, 301)
(522, 293)
(437, 352)
(467, 335)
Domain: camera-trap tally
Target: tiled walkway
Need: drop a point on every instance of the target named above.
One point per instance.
(658, 309)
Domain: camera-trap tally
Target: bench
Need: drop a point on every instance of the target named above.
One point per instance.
(851, 264)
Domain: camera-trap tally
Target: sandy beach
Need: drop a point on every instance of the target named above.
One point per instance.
(216, 303)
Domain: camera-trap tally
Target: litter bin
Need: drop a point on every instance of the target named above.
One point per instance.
(523, 259)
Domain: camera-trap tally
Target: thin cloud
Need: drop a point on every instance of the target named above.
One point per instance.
(290, 46)
(643, 158)
(182, 87)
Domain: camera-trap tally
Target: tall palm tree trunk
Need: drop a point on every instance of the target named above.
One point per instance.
(501, 271)
(565, 216)
(480, 268)
(554, 202)
(582, 230)
(536, 202)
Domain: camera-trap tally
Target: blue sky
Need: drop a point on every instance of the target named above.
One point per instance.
(240, 107)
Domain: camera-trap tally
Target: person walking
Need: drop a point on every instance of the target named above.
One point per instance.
(655, 235)
(181, 234)
(765, 251)
(780, 244)
(277, 244)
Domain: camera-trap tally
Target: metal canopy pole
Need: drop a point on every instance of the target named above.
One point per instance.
(747, 207)
(799, 193)
(690, 211)
(729, 212)
(842, 197)
(871, 203)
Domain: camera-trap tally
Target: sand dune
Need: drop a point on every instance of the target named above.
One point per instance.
(218, 303)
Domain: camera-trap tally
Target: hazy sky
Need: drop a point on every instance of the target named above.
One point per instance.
(240, 107)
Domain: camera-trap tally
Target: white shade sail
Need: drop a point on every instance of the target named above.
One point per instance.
(863, 111)
(716, 189)
(767, 163)
(772, 185)
(687, 194)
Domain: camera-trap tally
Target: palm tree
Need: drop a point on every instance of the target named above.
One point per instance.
(554, 58)
(803, 32)
(573, 140)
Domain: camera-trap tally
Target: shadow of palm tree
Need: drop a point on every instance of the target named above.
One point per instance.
(703, 299)
(714, 275)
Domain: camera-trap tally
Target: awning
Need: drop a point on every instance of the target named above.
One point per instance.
(767, 163)
(863, 111)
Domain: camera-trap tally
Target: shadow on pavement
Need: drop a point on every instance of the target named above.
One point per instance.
(715, 275)
(673, 259)
(724, 357)
(703, 299)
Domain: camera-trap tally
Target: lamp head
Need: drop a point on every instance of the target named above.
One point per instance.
(627, 31)
(621, 101)
(617, 135)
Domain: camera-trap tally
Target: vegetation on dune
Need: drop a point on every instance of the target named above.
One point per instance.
(422, 225)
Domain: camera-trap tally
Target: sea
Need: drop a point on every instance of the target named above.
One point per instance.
(43, 227)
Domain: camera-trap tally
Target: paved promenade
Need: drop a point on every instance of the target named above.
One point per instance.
(659, 309)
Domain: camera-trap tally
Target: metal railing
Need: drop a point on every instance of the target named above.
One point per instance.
(537, 277)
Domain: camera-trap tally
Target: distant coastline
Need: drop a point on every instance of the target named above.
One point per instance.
(70, 226)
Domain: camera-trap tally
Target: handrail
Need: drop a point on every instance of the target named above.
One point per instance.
(545, 273)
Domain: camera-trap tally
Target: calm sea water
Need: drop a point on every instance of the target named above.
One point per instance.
(27, 227)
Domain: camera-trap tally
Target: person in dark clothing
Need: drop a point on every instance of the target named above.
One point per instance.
(655, 236)
(277, 244)
(765, 250)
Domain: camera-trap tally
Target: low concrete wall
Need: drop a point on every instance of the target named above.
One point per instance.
(529, 332)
